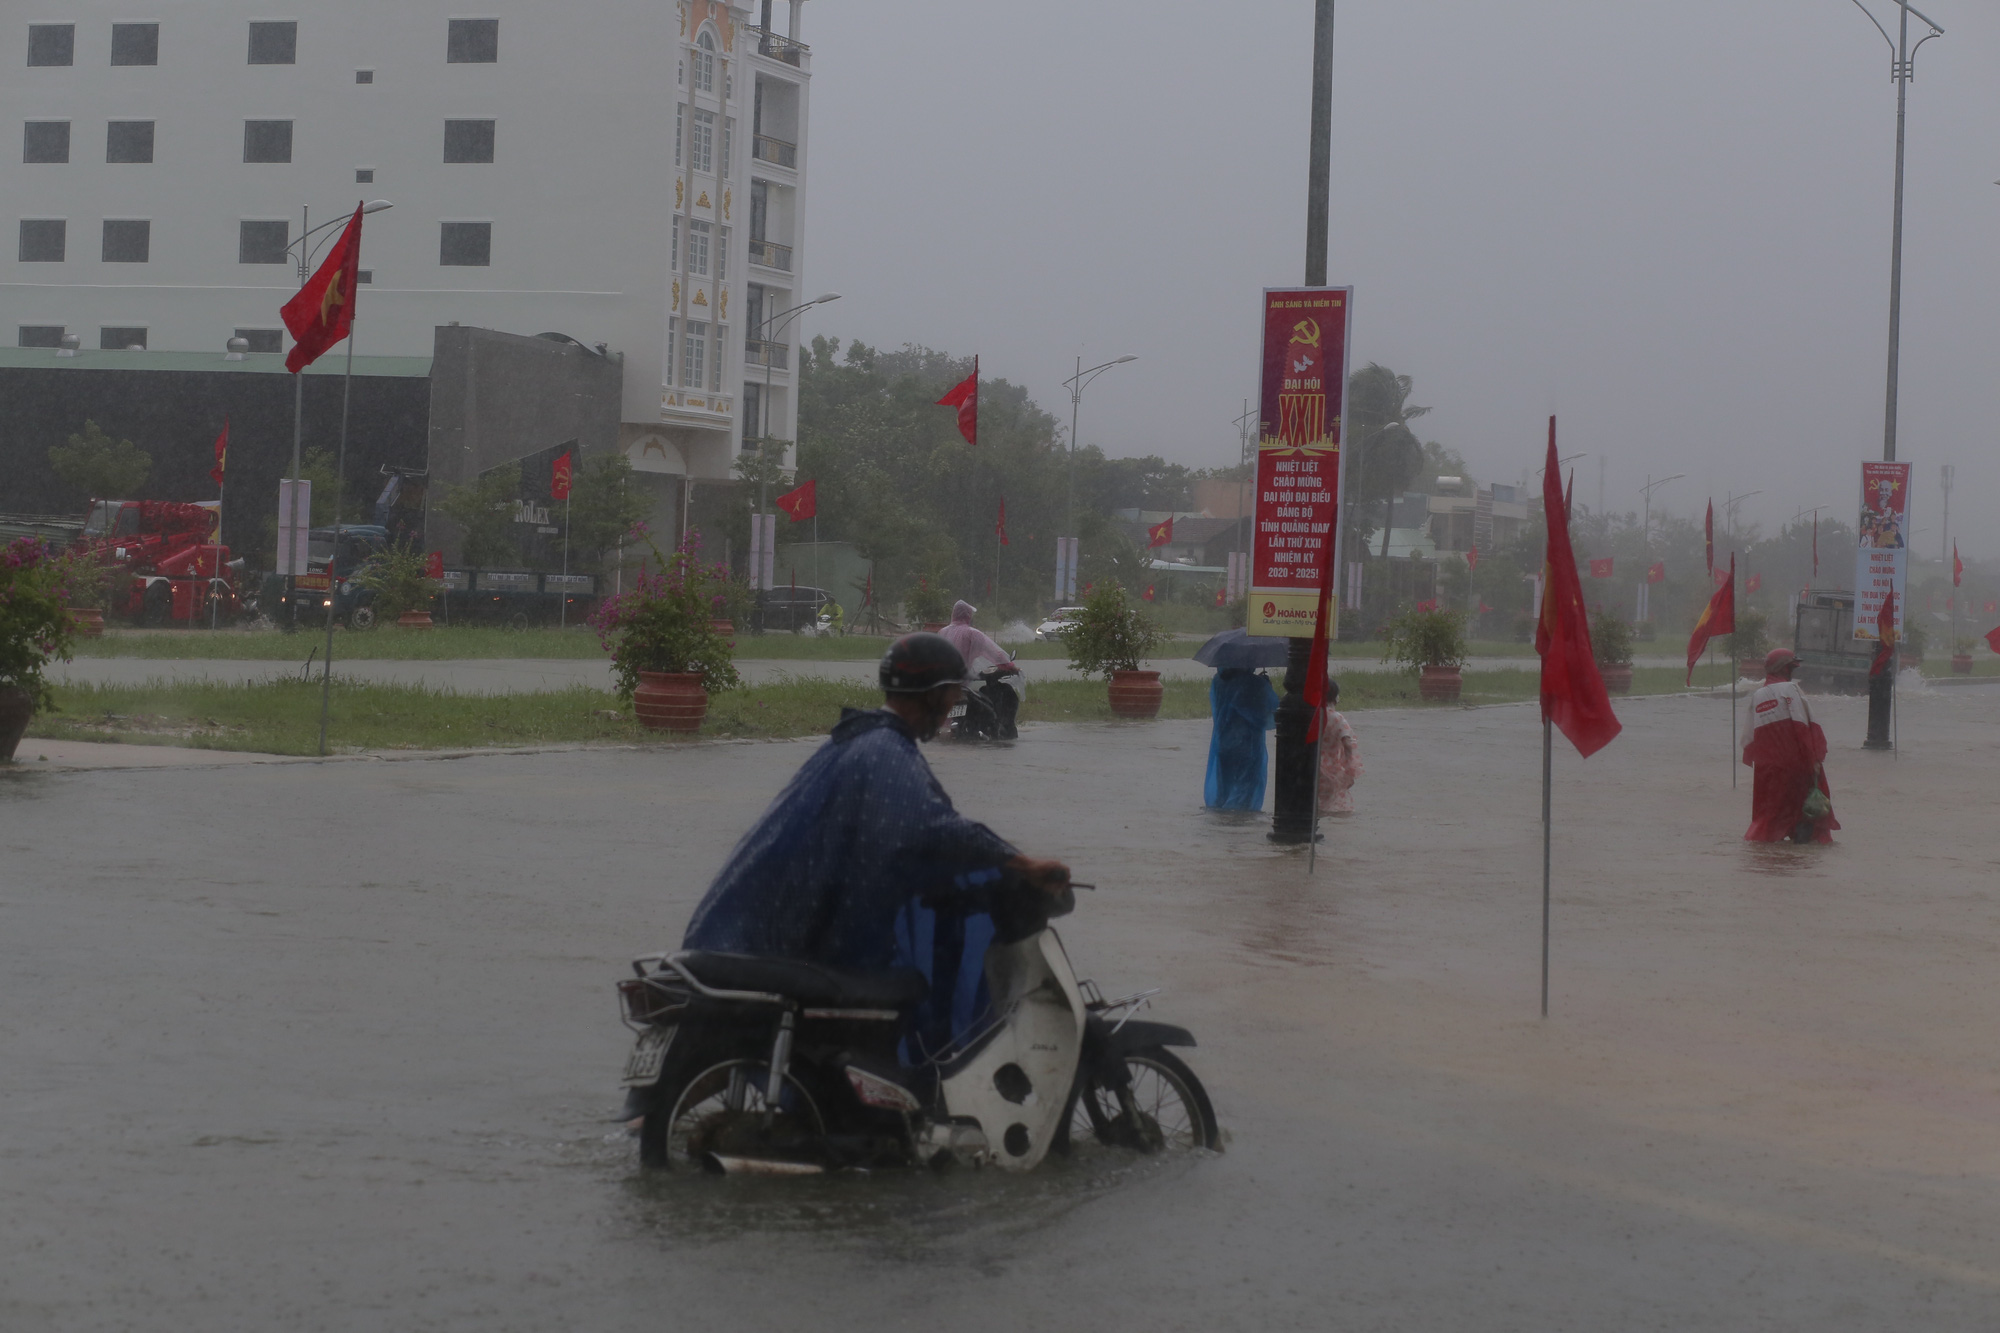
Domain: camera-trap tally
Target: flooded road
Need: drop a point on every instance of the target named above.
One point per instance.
(331, 1047)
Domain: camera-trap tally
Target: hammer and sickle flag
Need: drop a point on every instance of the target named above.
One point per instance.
(323, 311)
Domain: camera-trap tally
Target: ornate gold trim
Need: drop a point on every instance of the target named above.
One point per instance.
(700, 296)
(703, 201)
(680, 191)
(725, 205)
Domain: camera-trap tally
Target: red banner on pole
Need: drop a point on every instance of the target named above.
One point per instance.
(1600, 568)
(559, 477)
(1298, 455)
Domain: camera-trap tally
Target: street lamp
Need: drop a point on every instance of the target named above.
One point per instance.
(765, 329)
(1075, 384)
(1902, 68)
(1646, 541)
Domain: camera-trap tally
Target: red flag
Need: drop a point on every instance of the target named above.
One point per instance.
(1722, 576)
(1756, 582)
(1149, 592)
(1160, 533)
(1000, 524)
(1957, 565)
(868, 593)
(1428, 604)
(1484, 608)
(323, 311)
(434, 567)
(1315, 693)
(221, 453)
(1573, 695)
(1992, 635)
(801, 503)
(1718, 617)
(1600, 568)
(1218, 596)
(1885, 632)
(1658, 573)
(1708, 535)
(1472, 558)
(965, 397)
(559, 478)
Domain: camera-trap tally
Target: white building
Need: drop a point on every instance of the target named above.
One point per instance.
(627, 173)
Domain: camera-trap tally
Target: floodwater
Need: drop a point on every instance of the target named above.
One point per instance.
(330, 1046)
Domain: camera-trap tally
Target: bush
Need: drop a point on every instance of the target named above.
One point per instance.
(1426, 638)
(33, 625)
(1750, 639)
(1611, 640)
(1915, 637)
(396, 574)
(928, 603)
(1111, 634)
(82, 580)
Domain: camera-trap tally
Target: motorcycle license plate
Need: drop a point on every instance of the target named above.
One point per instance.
(648, 1057)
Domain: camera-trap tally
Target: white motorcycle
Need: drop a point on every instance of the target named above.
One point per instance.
(774, 1066)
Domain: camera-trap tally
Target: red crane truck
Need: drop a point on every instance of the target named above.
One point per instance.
(173, 569)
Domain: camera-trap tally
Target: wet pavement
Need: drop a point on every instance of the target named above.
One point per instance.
(327, 1046)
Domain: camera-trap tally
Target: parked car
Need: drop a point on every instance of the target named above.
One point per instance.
(794, 610)
(1050, 629)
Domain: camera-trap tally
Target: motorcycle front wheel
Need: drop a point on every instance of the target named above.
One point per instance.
(721, 1110)
(1164, 1109)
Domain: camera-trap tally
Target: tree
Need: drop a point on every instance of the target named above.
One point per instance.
(1387, 454)
(98, 467)
(603, 507)
(484, 510)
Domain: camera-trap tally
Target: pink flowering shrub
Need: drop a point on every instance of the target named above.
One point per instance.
(33, 625)
(666, 622)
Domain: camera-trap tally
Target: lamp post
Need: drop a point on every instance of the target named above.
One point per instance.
(1075, 384)
(774, 324)
(1646, 542)
(1902, 68)
(307, 253)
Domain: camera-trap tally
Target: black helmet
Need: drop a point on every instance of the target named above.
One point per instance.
(917, 663)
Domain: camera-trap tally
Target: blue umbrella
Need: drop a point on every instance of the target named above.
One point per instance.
(1236, 648)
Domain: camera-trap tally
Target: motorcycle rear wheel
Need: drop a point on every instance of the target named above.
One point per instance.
(681, 1138)
(1165, 1111)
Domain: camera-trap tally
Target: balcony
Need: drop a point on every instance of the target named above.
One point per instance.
(766, 149)
(781, 48)
(757, 352)
(771, 255)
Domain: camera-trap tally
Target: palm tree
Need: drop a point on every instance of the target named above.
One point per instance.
(1387, 454)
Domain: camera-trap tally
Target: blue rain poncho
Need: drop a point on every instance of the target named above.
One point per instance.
(861, 830)
(1244, 707)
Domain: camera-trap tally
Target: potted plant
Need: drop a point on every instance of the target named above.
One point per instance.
(928, 604)
(665, 651)
(402, 589)
(84, 584)
(1611, 644)
(1961, 657)
(1750, 642)
(1111, 636)
(1431, 643)
(33, 628)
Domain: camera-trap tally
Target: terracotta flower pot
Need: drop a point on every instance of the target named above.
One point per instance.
(89, 621)
(1136, 694)
(726, 628)
(414, 620)
(1440, 684)
(1617, 679)
(15, 710)
(1961, 664)
(670, 700)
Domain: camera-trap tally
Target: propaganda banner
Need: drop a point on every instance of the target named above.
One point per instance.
(1298, 455)
(1881, 559)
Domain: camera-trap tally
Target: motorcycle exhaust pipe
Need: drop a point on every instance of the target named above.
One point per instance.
(724, 1164)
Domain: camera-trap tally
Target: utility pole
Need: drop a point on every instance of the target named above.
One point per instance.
(1646, 540)
(1297, 758)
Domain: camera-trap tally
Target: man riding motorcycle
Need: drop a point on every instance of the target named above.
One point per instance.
(991, 662)
(860, 831)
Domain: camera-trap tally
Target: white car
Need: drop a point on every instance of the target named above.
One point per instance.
(1047, 631)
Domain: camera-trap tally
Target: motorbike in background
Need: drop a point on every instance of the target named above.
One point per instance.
(988, 704)
(775, 1066)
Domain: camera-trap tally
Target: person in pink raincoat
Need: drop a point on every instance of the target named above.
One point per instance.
(1339, 757)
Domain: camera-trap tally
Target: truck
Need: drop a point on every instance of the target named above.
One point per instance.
(166, 563)
(516, 598)
(1830, 657)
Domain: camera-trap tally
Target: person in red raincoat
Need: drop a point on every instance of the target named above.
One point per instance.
(1786, 749)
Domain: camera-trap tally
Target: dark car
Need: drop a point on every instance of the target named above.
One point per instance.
(793, 609)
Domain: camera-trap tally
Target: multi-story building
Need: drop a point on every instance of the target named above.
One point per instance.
(627, 173)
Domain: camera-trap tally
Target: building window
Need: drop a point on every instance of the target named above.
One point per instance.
(472, 42)
(753, 410)
(262, 242)
(465, 244)
(51, 43)
(364, 76)
(44, 240)
(721, 253)
(128, 141)
(42, 335)
(680, 130)
(728, 142)
(274, 42)
(45, 141)
(704, 63)
(135, 43)
(127, 242)
(674, 254)
(263, 340)
(694, 350)
(468, 141)
(701, 152)
(365, 276)
(697, 254)
(364, 175)
(267, 141)
(121, 338)
(673, 333)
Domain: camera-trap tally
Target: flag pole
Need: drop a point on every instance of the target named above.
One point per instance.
(1735, 670)
(562, 614)
(221, 492)
(333, 562)
(1548, 770)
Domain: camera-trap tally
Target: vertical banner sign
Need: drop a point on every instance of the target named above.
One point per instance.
(1066, 557)
(294, 541)
(1298, 455)
(1881, 559)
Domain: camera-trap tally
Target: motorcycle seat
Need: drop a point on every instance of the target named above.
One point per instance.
(812, 984)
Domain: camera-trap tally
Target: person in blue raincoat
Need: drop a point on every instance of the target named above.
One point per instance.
(1244, 707)
(861, 832)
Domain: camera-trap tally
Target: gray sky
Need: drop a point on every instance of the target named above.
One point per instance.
(1669, 224)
